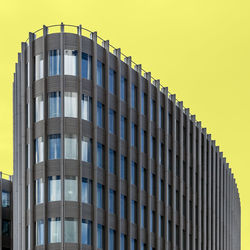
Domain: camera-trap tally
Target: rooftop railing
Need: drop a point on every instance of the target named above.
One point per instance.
(68, 28)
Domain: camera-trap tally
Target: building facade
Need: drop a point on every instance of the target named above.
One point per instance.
(106, 158)
(6, 237)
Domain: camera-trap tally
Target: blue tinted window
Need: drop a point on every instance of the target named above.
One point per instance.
(152, 148)
(86, 190)
(162, 190)
(100, 115)
(100, 236)
(169, 195)
(152, 184)
(133, 96)
(54, 63)
(123, 127)
(143, 179)
(100, 195)
(112, 81)
(39, 232)
(86, 66)
(111, 201)
(5, 199)
(100, 73)
(111, 161)
(100, 155)
(86, 232)
(133, 244)
(143, 141)
(143, 216)
(54, 146)
(123, 88)
(123, 168)
(39, 149)
(133, 211)
(123, 242)
(123, 206)
(86, 149)
(112, 239)
(152, 221)
(54, 104)
(111, 121)
(133, 173)
(152, 110)
(133, 135)
(143, 103)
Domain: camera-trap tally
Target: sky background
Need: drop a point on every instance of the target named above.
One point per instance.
(199, 49)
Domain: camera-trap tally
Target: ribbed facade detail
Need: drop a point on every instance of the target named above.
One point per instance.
(106, 158)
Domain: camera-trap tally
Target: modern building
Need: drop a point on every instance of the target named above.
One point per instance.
(106, 158)
(6, 237)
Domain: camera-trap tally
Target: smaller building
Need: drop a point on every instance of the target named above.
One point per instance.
(5, 211)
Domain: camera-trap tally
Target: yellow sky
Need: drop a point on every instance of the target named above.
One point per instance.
(200, 49)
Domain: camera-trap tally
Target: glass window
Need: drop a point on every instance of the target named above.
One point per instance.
(169, 160)
(111, 201)
(54, 148)
(70, 104)
(161, 117)
(6, 228)
(86, 232)
(39, 108)
(152, 221)
(70, 230)
(28, 196)
(123, 168)
(133, 135)
(100, 236)
(54, 188)
(133, 211)
(39, 149)
(123, 127)
(161, 155)
(123, 245)
(123, 206)
(100, 155)
(70, 188)
(100, 115)
(153, 185)
(143, 217)
(161, 226)
(133, 96)
(54, 103)
(170, 123)
(169, 195)
(143, 103)
(112, 77)
(133, 244)
(123, 88)
(70, 147)
(86, 66)
(54, 62)
(86, 190)
(133, 173)
(169, 231)
(70, 62)
(54, 230)
(162, 193)
(86, 149)
(100, 196)
(100, 73)
(153, 110)
(111, 161)
(28, 115)
(38, 67)
(86, 105)
(143, 141)
(152, 148)
(28, 155)
(5, 199)
(143, 179)
(112, 241)
(111, 121)
(143, 246)
(39, 191)
(39, 232)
